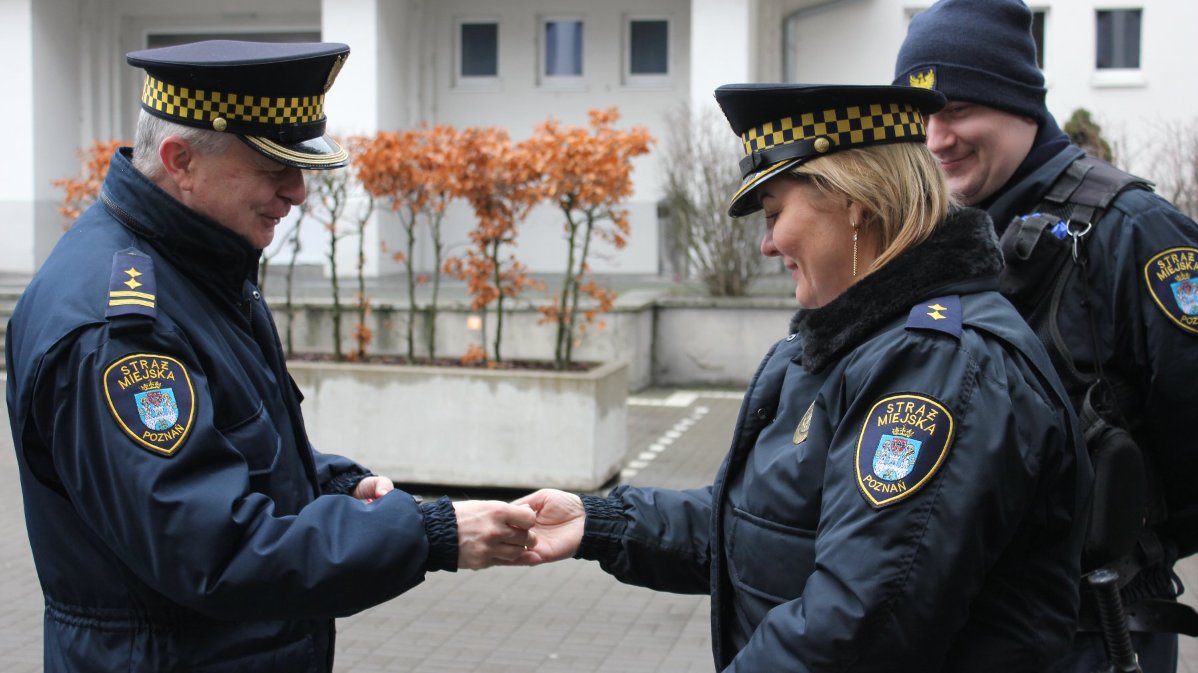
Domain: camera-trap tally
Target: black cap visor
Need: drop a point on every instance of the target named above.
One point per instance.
(320, 153)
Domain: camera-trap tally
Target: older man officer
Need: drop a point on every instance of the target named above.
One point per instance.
(179, 517)
(1102, 267)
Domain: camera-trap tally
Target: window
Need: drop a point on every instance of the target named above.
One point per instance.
(1117, 39)
(478, 49)
(563, 48)
(648, 47)
(1038, 36)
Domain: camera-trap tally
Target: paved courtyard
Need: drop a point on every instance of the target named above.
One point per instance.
(564, 617)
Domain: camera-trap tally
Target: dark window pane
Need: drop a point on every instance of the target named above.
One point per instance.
(649, 47)
(563, 48)
(480, 49)
(1038, 37)
(1118, 38)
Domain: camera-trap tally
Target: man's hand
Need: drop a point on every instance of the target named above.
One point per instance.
(491, 532)
(373, 488)
(559, 526)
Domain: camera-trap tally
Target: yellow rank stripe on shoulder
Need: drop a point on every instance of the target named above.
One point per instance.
(131, 287)
(152, 400)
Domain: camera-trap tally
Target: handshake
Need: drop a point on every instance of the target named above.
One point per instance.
(538, 528)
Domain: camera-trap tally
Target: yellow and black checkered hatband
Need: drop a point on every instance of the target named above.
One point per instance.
(285, 118)
(842, 128)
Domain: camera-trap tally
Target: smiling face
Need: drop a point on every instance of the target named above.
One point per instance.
(242, 190)
(813, 234)
(979, 147)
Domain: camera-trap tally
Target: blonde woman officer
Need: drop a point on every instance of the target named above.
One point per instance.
(905, 488)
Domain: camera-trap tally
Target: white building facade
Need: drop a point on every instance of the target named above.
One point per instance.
(514, 63)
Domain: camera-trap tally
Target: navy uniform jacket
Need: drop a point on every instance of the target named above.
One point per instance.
(905, 490)
(1142, 272)
(179, 517)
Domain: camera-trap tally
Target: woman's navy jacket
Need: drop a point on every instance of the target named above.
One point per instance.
(906, 489)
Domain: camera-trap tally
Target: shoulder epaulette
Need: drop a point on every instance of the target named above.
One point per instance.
(1088, 186)
(131, 288)
(942, 314)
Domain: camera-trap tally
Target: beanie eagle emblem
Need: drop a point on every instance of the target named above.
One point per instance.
(923, 80)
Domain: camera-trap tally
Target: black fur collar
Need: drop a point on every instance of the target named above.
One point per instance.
(963, 248)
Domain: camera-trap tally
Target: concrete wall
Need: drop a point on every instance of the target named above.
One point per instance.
(41, 114)
(510, 428)
(664, 341)
(16, 178)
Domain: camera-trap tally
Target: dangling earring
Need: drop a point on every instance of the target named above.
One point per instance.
(855, 227)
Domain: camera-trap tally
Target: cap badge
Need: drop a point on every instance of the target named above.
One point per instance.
(152, 400)
(904, 440)
(1172, 283)
(923, 80)
(337, 63)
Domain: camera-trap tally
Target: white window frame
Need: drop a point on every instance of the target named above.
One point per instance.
(654, 81)
(1046, 12)
(560, 82)
(1118, 78)
(476, 82)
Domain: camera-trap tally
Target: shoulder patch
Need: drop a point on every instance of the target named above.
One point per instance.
(1171, 282)
(131, 287)
(942, 314)
(152, 400)
(903, 442)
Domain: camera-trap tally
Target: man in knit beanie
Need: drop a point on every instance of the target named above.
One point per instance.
(1117, 321)
(980, 54)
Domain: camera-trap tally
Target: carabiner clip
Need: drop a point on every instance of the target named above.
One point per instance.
(1076, 233)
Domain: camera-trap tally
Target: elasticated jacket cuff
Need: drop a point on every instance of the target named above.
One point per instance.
(603, 532)
(441, 528)
(344, 483)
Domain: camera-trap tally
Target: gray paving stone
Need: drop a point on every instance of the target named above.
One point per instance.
(567, 617)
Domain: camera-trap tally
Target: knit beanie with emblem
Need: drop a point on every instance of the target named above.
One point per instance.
(978, 51)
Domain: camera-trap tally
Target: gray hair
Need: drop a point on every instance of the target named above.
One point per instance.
(151, 131)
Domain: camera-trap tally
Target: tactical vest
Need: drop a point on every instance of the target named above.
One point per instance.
(1042, 252)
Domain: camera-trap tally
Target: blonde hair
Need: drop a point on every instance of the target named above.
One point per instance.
(899, 186)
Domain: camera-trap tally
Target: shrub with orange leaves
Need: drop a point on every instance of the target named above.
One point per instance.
(502, 185)
(475, 354)
(83, 191)
(587, 175)
(416, 173)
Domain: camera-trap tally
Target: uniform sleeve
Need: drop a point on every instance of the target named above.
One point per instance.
(337, 475)
(655, 538)
(903, 549)
(1151, 293)
(183, 515)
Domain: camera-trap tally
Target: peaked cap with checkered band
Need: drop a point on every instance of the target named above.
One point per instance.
(271, 95)
(783, 125)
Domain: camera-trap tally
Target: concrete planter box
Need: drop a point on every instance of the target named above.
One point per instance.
(470, 427)
(666, 341)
